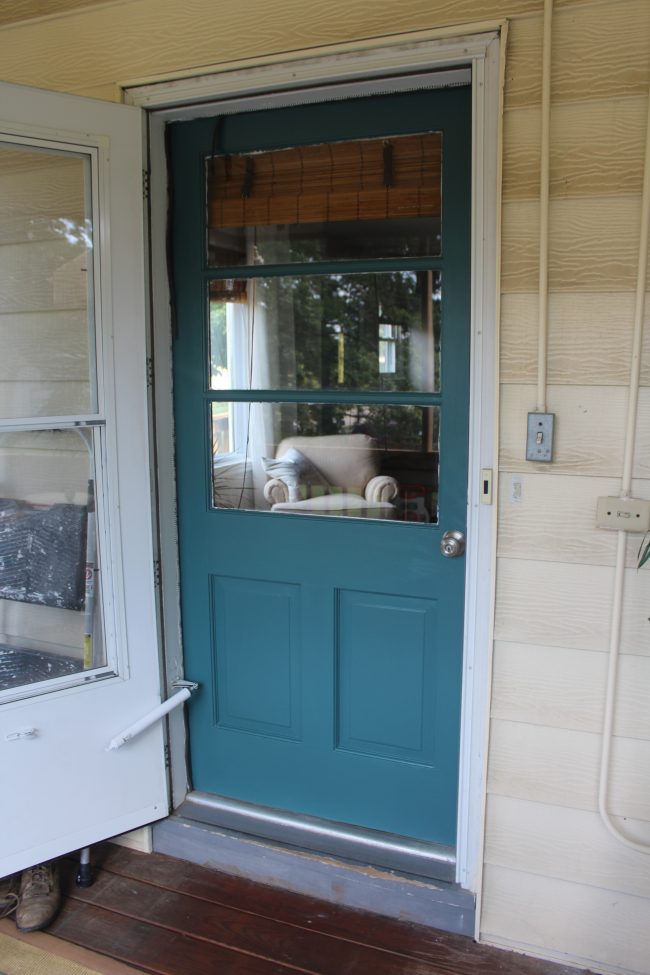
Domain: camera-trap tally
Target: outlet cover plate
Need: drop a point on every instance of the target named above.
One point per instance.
(623, 514)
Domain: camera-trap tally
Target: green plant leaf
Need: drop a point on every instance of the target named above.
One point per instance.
(644, 551)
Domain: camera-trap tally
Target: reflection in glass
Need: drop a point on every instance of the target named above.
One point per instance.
(330, 331)
(363, 461)
(50, 614)
(46, 289)
(367, 198)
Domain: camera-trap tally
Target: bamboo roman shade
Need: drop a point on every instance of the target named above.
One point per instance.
(369, 179)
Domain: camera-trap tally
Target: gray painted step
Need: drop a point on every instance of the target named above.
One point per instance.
(422, 901)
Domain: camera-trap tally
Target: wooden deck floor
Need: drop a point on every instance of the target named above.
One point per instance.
(170, 917)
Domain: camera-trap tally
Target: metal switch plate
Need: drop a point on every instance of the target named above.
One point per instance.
(623, 514)
(539, 443)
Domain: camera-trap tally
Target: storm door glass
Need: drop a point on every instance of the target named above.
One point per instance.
(324, 309)
(51, 430)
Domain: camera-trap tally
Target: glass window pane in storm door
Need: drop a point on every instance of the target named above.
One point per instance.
(46, 284)
(50, 614)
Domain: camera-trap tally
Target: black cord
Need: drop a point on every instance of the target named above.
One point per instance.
(250, 386)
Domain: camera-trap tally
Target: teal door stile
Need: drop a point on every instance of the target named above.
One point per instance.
(328, 650)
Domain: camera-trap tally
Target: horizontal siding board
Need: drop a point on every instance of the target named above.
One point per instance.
(41, 476)
(558, 687)
(36, 200)
(564, 844)
(589, 338)
(599, 51)
(49, 345)
(562, 605)
(108, 93)
(555, 519)
(19, 10)
(551, 917)
(43, 397)
(593, 244)
(589, 430)
(596, 149)
(560, 767)
(97, 47)
(46, 275)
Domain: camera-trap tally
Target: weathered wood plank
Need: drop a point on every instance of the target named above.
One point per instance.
(401, 943)
(560, 767)
(244, 931)
(589, 338)
(153, 949)
(557, 918)
(562, 605)
(403, 938)
(558, 687)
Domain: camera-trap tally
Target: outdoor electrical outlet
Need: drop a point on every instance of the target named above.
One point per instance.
(623, 514)
(516, 489)
(539, 443)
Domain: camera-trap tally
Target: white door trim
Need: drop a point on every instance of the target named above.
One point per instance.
(283, 83)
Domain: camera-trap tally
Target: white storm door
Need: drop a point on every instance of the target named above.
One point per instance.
(78, 637)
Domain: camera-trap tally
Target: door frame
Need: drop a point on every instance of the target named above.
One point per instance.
(378, 65)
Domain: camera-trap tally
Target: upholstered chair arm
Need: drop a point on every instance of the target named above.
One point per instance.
(276, 491)
(381, 488)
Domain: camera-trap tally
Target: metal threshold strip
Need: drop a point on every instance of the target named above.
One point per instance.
(367, 846)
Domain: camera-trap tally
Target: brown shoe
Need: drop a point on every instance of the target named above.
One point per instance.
(39, 897)
(9, 894)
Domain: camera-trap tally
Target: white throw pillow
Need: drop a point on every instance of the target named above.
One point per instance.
(303, 479)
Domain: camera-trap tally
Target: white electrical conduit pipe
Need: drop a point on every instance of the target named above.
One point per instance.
(544, 184)
(626, 485)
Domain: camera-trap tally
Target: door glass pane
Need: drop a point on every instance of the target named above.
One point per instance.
(337, 201)
(361, 461)
(328, 331)
(46, 283)
(50, 614)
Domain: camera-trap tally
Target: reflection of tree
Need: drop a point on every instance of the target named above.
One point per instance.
(325, 333)
(393, 427)
(313, 315)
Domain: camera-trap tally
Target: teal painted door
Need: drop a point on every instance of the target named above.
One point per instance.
(328, 648)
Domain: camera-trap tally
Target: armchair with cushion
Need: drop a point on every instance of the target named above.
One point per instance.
(330, 475)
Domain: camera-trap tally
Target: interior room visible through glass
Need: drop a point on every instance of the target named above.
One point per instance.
(354, 460)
